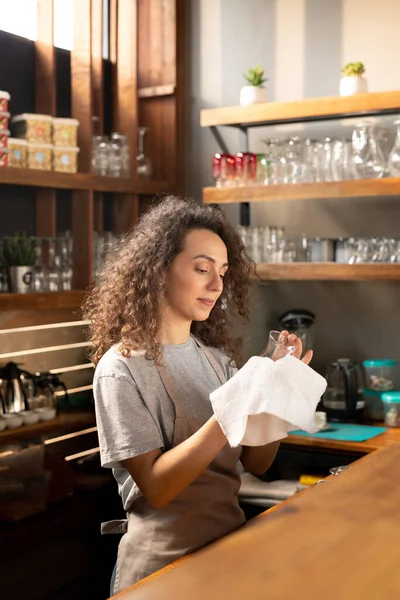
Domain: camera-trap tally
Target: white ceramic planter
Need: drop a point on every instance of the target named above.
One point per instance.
(252, 94)
(353, 84)
(21, 279)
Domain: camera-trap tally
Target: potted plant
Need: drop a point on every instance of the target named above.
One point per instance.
(255, 91)
(353, 81)
(19, 258)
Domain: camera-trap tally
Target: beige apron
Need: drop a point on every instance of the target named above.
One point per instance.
(206, 510)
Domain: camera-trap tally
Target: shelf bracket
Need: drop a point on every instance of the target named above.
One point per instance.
(219, 139)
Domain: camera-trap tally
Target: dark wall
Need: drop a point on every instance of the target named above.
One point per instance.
(17, 76)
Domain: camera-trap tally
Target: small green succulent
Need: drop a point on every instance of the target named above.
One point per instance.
(255, 76)
(18, 251)
(353, 69)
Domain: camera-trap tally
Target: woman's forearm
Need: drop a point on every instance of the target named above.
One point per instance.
(172, 471)
(258, 459)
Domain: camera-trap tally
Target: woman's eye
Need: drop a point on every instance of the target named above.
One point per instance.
(201, 270)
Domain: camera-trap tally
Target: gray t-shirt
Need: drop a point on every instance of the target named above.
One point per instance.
(135, 414)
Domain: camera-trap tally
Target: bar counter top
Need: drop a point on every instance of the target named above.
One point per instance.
(338, 541)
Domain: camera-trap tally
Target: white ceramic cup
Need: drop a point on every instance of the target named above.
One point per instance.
(320, 419)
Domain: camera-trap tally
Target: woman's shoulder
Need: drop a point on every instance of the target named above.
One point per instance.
(114, 364)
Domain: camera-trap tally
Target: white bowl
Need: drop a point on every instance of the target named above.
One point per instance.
(3, 424)
(46, 414)
(13, 421)
(29, 417)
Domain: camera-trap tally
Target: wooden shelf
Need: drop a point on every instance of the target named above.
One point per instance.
(80, 181)
(310, 109)
(68, 422)
(298, 271)
(41, 301)
(156, 91)
(360, 188)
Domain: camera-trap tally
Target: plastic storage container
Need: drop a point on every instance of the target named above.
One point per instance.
(4, 100)
(17, 152)
(65, 132)
(65, 159)
(40, 156)
(4, 118)
(3, 157)
(380, 374)
(36, 129)
(391, 408)
(4, 135)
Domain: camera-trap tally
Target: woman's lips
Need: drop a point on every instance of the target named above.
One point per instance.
(207, 302)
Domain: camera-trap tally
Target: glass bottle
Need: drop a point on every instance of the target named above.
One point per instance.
(143, 163)
(394, 156)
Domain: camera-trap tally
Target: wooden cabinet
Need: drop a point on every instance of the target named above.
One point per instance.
(140, 84)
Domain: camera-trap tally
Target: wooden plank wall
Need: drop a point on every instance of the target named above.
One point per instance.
(52, 341)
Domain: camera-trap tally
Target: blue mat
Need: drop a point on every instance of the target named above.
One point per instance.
(345, 432)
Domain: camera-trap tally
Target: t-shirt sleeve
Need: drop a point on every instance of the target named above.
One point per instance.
(125, 426)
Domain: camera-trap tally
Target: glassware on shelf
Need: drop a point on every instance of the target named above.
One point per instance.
(64, 248)
(143, 163)
(118, 155)
(368, 159)
(227, 174)
(394, 156)
(245, 168)
(103, 244)
(216, 169)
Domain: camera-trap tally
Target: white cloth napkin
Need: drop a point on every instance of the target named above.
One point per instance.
(266, 399)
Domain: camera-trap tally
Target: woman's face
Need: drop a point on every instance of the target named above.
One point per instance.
(194, 281)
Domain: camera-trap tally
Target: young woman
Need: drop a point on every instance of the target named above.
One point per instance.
(161, 319)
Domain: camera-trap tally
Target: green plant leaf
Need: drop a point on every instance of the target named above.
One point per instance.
(19, 251)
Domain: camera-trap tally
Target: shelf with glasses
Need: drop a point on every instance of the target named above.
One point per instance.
(359, 188)
(41, 300)
(309, 109)
(297, 271)
(81, 181)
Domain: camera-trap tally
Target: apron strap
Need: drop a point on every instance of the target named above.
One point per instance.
(211, 359)
(170, 389)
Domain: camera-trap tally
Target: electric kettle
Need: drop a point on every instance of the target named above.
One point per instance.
(343, 399)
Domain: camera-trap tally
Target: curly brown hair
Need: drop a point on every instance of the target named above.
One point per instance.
(123, 308)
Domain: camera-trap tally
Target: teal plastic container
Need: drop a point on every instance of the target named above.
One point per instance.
(391, 408)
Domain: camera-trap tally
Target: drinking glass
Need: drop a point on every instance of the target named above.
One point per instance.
(245, 168)
(216, 169)
(394, 156)
(100, 155)
(143, 163)
(278, 346)
(228, 174)
(368, 159)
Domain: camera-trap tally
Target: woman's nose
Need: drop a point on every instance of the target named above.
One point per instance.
(217, 283)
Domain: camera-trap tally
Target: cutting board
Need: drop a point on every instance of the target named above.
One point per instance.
(344, 432)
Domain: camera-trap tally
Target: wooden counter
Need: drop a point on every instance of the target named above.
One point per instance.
(336, 540)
